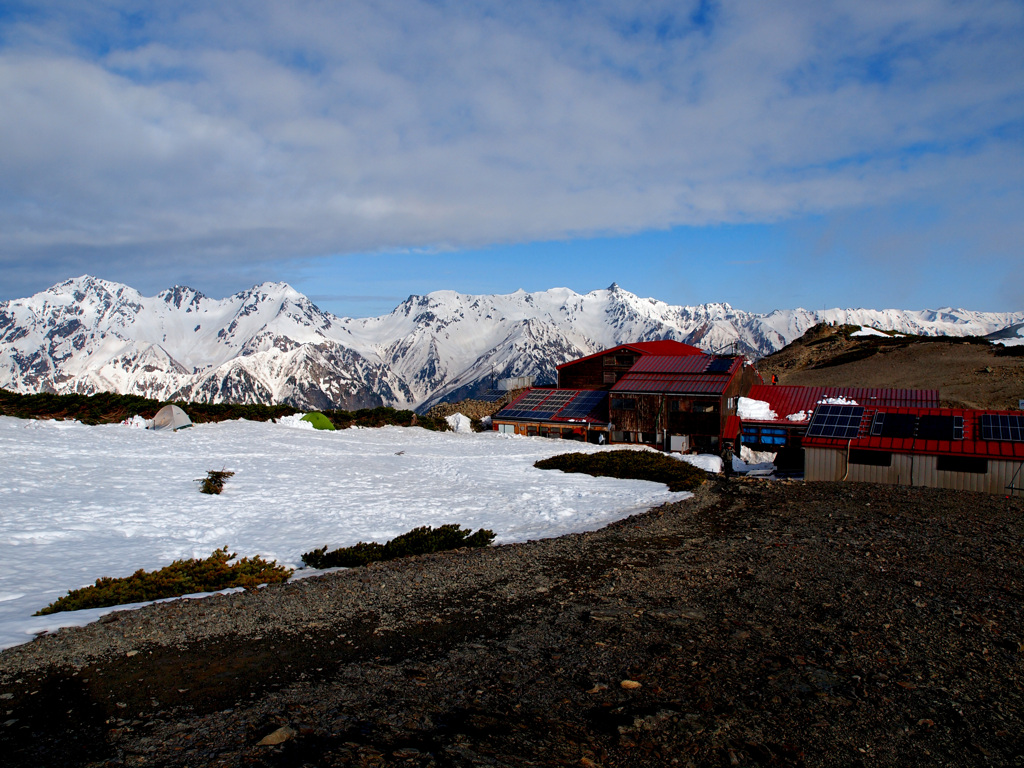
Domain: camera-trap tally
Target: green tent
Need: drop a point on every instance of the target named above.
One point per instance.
(318, 420)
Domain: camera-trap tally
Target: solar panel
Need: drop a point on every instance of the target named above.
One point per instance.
(720, 365)
(900, 425)
(491, 395)
(1005, 427)
(841, 422)
(582, 405)
(931, 427)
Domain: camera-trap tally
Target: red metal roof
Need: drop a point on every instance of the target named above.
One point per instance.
(787, 400)
(732, 428)
(662, 347)
(692, 384)
(683, 364)
(971, 445)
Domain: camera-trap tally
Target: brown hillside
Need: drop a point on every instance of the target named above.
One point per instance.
(969, 373)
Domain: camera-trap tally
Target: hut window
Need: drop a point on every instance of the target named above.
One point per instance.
(871, 458)
(974, 464)
(623, 404)
(609, 377)
(770, 436)
(705, 407)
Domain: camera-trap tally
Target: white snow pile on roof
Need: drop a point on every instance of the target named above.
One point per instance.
(79, 502)
(799, 416)
(755, 410)
(841, 400)
(706, 461)
(460, 423)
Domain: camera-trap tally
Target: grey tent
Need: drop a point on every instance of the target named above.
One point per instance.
(171, 417)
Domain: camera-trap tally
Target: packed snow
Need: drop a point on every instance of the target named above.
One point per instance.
(460, 423)
(755, 410)
(706, 461)
(80, 502)
(841, 400)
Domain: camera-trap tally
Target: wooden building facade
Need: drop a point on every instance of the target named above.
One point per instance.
(664, 394)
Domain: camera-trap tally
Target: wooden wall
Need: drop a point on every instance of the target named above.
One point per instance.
(589, 373)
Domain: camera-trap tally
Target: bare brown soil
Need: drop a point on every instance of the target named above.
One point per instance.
(966, 374)
(772, 624)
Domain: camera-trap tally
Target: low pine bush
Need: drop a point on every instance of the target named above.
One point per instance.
(214, 481)
(418, 541)
(630, 465)
(182, 577)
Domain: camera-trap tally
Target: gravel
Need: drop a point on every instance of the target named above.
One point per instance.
(773, 623)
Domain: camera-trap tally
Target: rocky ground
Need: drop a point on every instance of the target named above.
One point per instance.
(757, 624)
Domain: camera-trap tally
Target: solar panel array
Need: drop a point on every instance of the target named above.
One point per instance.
(545, 403)
(935, 427)
(841, 422)
(582, 405)
(491, 395)
(908, 426)
(720, 365)
(531, 406)
(1001, 426)
(901, 425)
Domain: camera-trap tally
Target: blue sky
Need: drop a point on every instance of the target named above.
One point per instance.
(852, 153)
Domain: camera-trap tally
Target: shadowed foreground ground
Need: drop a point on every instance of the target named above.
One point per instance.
(757, 624)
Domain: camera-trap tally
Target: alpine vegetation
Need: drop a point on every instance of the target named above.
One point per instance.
(418, 541)
(182, 577)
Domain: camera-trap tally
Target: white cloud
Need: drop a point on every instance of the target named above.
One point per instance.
(256, 130)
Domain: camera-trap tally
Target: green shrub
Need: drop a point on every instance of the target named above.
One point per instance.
(384, 416)
(110, 408)
(418, 541)
(182, 577)
(214, 481)
(630, 465)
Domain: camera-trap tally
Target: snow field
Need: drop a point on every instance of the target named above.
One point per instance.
(80, 502)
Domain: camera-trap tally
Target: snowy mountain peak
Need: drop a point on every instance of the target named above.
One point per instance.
(271, 343)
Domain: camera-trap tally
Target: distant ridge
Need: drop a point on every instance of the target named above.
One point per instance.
(271, 344)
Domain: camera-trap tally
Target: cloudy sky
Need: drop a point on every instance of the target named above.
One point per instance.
(793, 153)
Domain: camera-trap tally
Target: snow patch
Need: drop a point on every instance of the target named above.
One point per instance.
(79, 502)
(460, 424)
(295, 422)
(755, 410)
(868, 331)
(841, 400)
(706, 461)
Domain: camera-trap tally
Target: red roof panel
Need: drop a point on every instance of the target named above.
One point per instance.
(692, 384)
(683, 364)
(787, 400)
(662, 347)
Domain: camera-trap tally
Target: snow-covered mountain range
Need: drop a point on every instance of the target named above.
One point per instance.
(271, 344)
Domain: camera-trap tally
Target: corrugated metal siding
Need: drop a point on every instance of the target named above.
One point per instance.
(824, 464)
